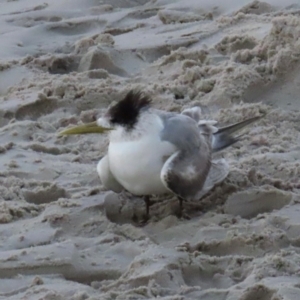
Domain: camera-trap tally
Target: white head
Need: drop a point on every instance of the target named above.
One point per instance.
(125, 114)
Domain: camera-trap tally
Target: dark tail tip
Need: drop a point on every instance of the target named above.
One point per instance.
(224, 138)
(222, 141)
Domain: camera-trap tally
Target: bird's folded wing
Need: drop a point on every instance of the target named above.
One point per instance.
(185, 173)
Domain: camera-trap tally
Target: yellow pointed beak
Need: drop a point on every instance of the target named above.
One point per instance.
(85, 129)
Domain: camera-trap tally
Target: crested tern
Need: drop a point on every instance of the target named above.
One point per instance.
(154, 152)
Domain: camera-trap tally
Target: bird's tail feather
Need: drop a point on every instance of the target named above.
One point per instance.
(224, 137)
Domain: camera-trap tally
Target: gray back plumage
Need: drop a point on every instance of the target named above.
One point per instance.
(181, 131)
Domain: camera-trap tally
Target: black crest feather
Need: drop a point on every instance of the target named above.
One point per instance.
(126, 112)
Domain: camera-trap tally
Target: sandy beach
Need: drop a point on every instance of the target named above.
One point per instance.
(62, 235)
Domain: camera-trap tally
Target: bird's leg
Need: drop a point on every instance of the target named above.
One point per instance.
(148, 203)
(181, 214)
(180, 206)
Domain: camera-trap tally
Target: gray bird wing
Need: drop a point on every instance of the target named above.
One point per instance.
(184, 172)
(193, 112)
(218, 172)
(106, 176)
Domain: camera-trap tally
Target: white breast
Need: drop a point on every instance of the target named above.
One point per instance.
(136, 162)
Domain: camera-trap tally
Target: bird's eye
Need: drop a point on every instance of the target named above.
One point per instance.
(113, 120)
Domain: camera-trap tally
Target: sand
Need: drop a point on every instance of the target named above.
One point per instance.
(62, 235)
